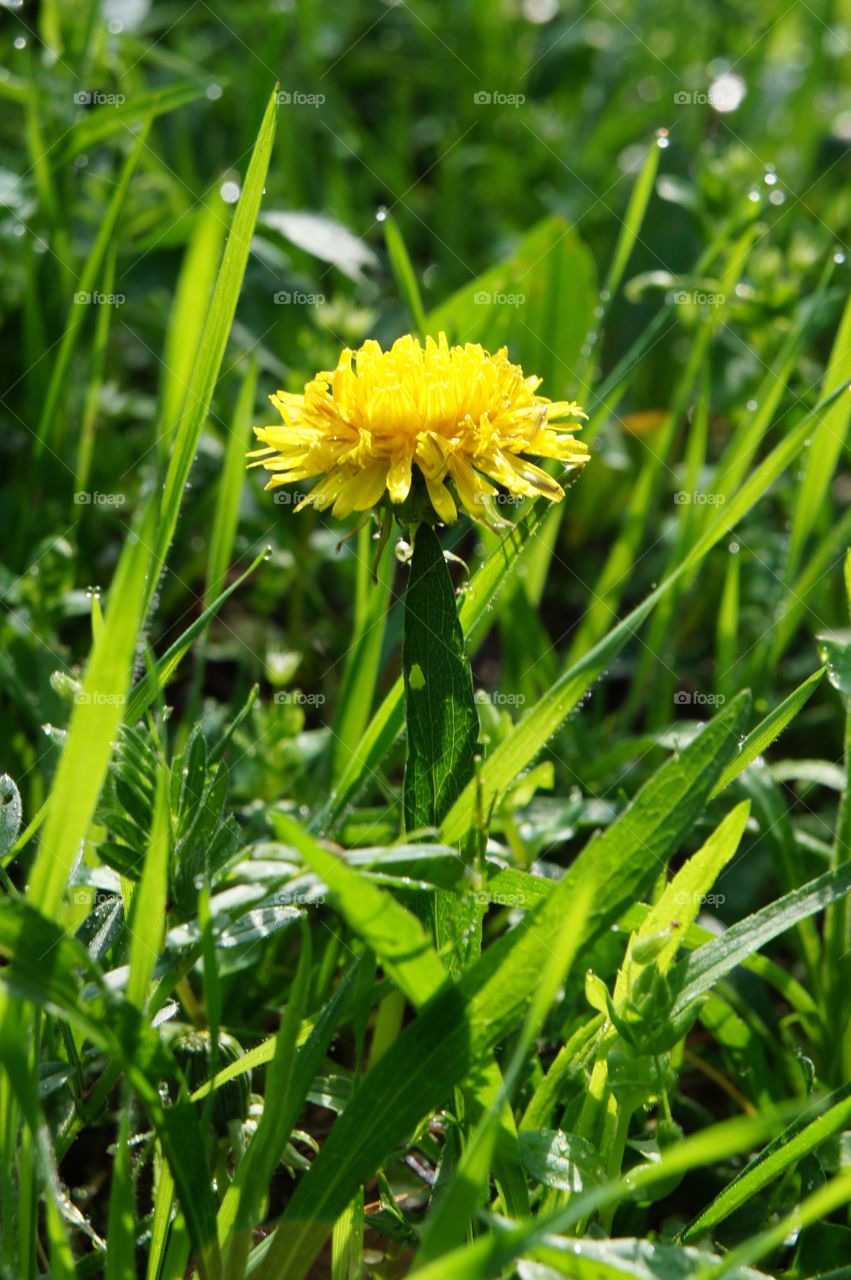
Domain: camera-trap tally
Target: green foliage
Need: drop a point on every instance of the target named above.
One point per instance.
(317, 951)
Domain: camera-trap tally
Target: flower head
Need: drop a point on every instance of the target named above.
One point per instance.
(462, 420)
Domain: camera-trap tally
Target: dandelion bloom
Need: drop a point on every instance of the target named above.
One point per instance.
(454, 416)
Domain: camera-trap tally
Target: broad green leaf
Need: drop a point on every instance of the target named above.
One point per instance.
(440, 711)
(566, 1161)
(205, 371)
(682, 898)
(476, 619)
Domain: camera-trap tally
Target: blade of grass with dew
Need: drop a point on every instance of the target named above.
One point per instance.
(700, 971)
(827, 444)
(769, 730)
(817, 1207)
(205, 371)
(633, 219)
(531, 734)
(48, 429)
(802, 1136)
(94, 724)
(795, 601)
(229, 491)
(187, 316)
(459, 1026)
(404, 272)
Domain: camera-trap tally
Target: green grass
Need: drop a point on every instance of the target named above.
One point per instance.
(571, 1000)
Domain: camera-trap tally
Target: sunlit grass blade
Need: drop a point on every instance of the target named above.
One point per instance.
(188, 315)
(211, 351)
(769, 730)
(827, 443)
(94, 724)
(404, 272)
(805, 1134)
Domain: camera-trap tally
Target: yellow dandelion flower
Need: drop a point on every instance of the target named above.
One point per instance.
(449, 420)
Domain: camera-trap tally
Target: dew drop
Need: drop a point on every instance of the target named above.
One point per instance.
(230, 192)
(381, 213)
(20, 42)
(839, 257)
(662, 139)
(214, 92)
